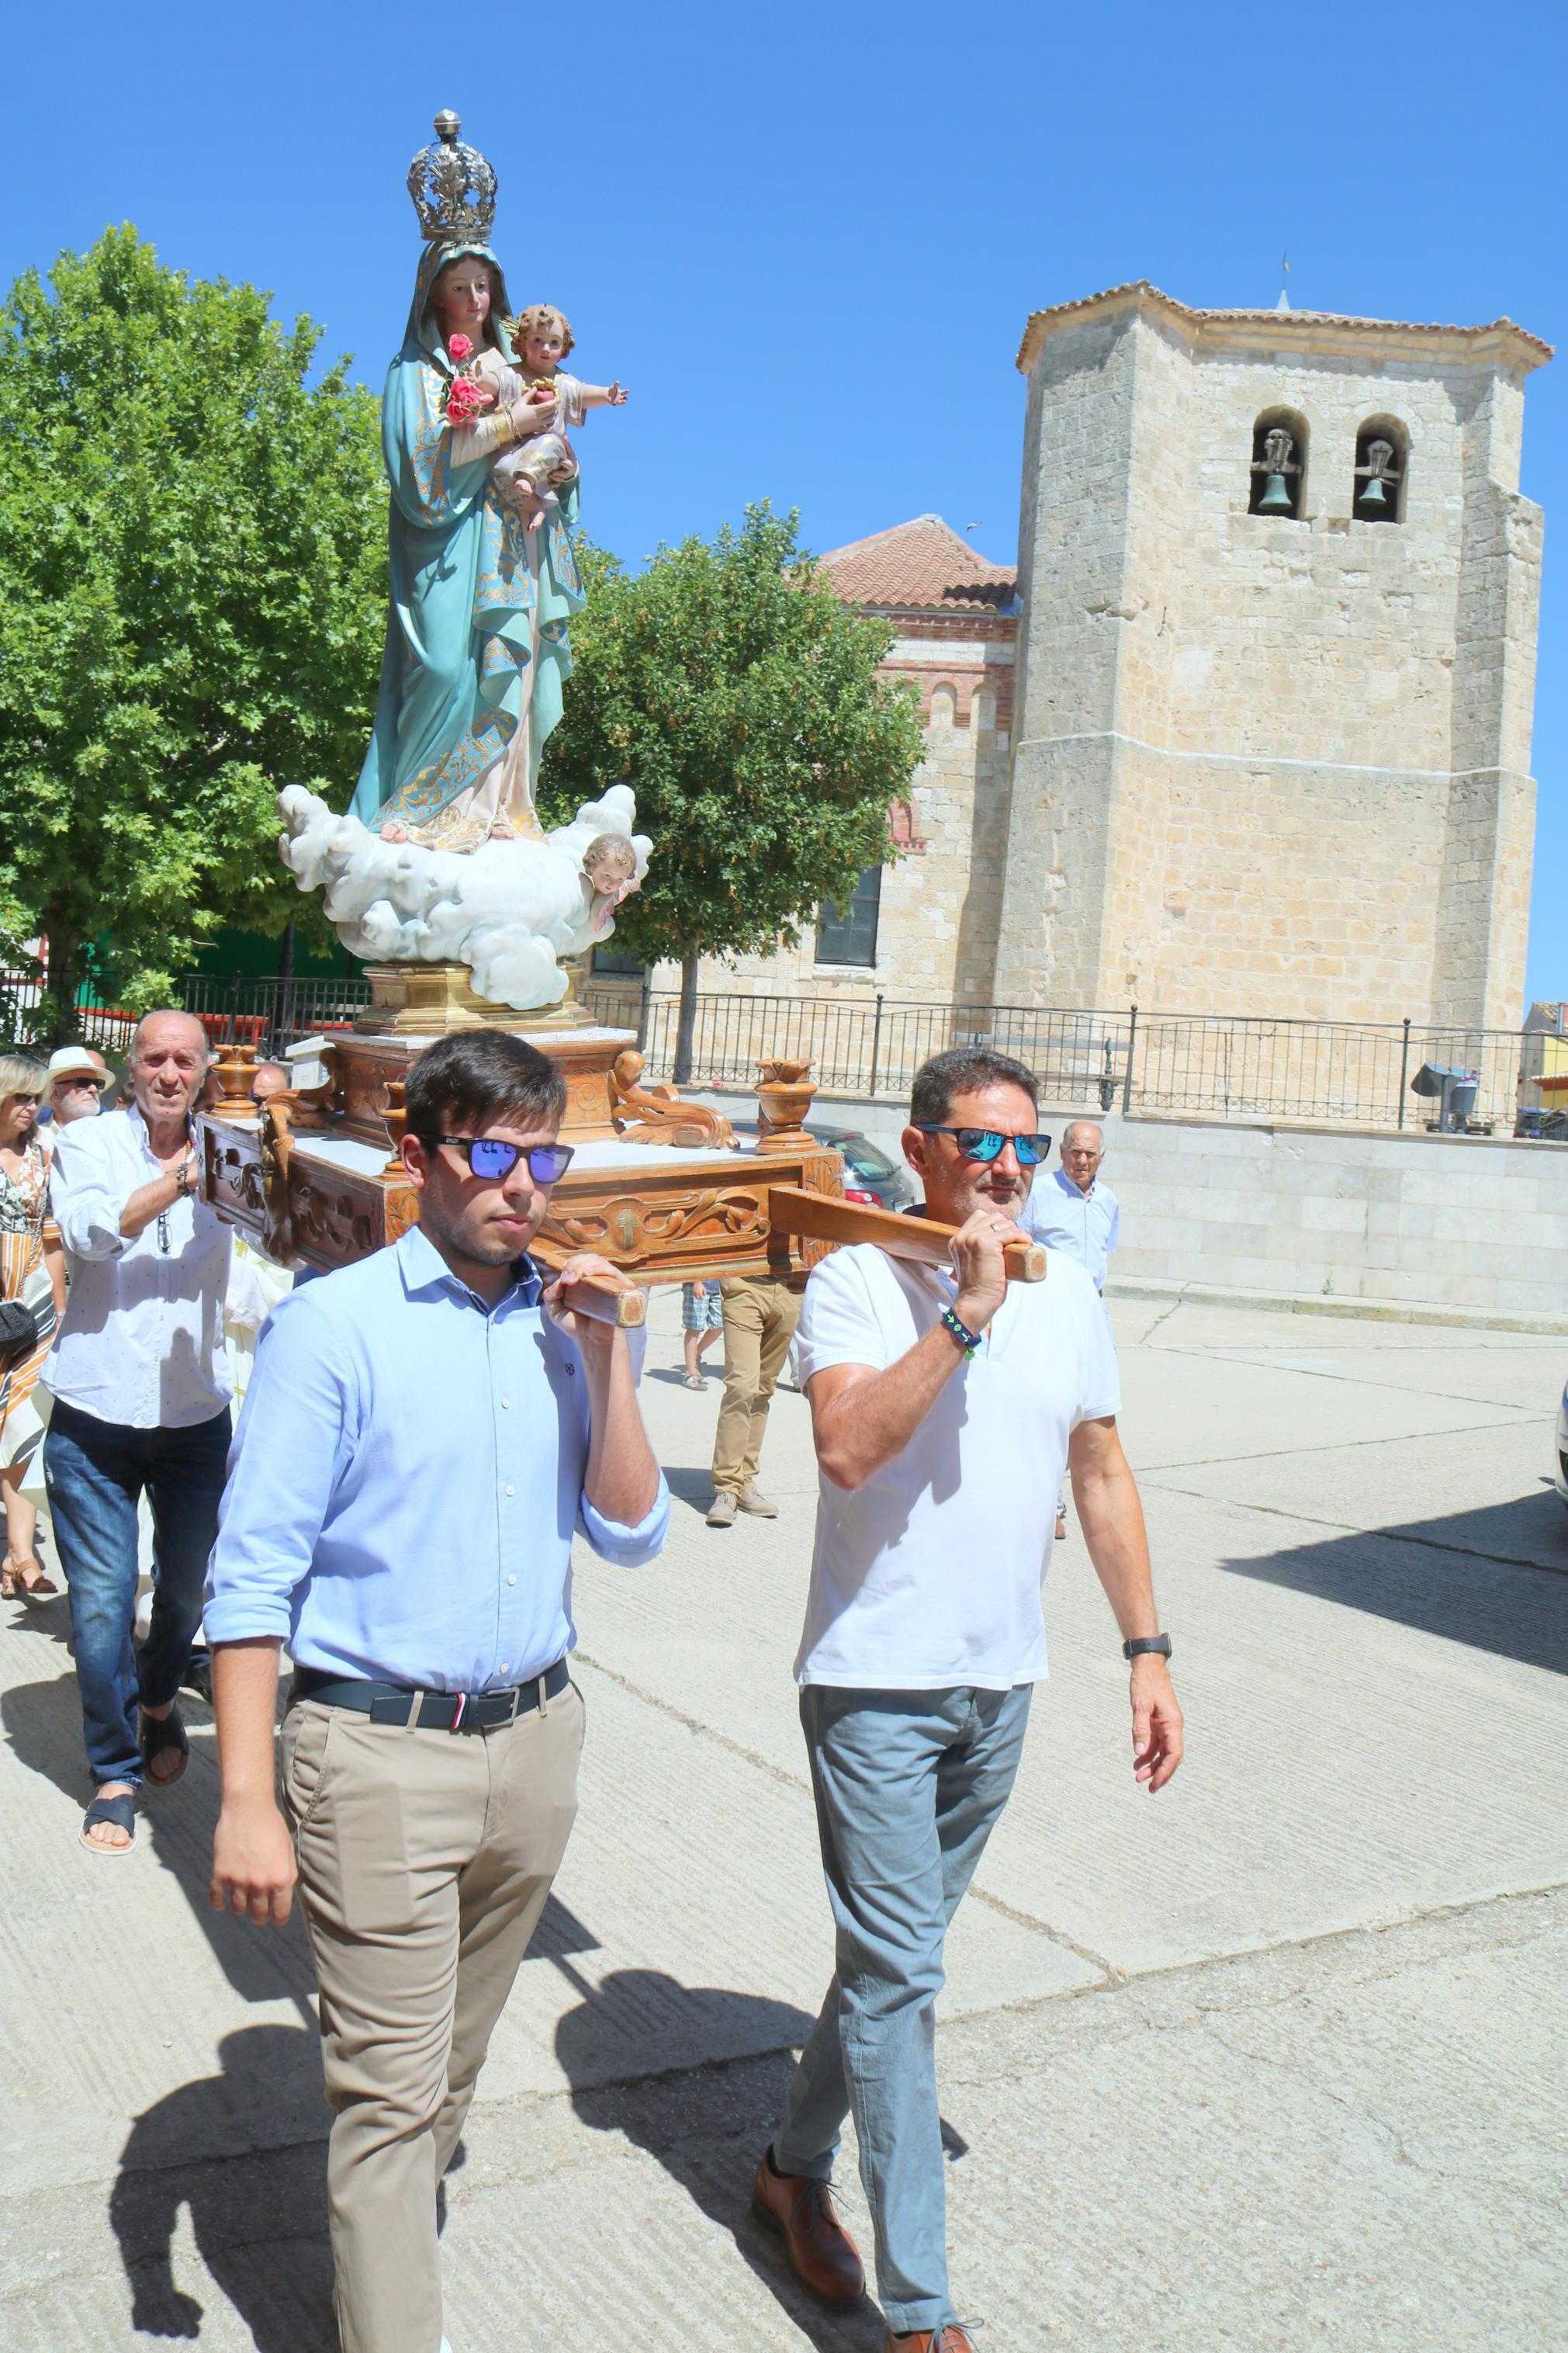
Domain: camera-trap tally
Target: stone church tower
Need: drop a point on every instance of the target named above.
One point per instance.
(1275, 667)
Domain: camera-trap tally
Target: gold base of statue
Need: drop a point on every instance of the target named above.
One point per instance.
(437, 1001)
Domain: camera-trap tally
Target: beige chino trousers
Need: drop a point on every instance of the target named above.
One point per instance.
(425, 1861)
(761, 1313)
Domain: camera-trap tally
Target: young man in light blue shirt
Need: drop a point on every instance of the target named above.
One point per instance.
(422, 1435)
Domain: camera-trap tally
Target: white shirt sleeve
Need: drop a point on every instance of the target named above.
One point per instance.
(839, 1323)
(570, 390)
(87, 1193)
(1099, 1378)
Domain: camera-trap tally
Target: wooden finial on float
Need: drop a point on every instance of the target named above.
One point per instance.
(784, 1092)
(235, 1068)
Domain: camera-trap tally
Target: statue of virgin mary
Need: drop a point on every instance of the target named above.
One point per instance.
(476, 652)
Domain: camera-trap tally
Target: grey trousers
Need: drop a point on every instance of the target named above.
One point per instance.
(910, 1785)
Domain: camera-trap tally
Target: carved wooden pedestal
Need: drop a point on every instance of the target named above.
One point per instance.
(658, 1186)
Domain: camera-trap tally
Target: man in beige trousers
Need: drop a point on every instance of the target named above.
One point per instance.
(761, 1313)
(422, 1433)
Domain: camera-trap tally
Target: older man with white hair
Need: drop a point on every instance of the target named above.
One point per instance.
(141, 1391)
(1073, 1212)
(74, 1083)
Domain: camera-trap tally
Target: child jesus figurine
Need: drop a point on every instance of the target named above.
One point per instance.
(541, 338)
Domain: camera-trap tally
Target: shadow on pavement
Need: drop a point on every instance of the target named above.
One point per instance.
(689, 1486)
(1472, 1577)
(706, 2124)
(43, 1724)
(260, 2221)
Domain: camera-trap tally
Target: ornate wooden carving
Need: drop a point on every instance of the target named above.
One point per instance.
(316, 1107)
(657, 1114)
(396, 1117)
(402, 1209)
(664, 1223)
(639, 1229)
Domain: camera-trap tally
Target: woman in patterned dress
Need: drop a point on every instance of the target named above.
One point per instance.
(32, 1269)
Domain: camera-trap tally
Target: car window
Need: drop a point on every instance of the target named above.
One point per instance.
(862, 1154)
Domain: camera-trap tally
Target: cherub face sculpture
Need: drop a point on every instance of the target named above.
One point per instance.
(610, 864)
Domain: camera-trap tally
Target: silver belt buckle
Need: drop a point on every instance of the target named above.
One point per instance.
(516, 1695)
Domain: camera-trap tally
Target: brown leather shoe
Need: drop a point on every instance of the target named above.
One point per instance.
(949, 2338)
(800, 2212)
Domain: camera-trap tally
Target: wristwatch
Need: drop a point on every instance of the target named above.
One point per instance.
(1159, 1643)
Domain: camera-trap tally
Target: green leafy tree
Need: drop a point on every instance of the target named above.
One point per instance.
(193, 582)
(741, 700)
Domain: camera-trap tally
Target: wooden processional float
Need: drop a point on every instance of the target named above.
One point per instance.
(661, 1188)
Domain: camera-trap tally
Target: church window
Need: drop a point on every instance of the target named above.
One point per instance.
(848, 935)
(1278, 465)
(1382, 467)
(943, 703)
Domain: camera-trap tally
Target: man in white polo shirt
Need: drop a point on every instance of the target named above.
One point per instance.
(943, 1407)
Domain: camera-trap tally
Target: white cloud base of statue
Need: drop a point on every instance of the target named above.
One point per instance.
(508, 910)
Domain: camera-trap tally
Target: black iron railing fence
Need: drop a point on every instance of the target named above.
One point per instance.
(1206, 1065)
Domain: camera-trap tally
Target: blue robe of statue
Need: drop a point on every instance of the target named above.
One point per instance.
(464, 642)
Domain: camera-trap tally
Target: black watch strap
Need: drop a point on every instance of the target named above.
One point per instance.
(1159, 1643)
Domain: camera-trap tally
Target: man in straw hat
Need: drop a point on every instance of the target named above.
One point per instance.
(74, 1083)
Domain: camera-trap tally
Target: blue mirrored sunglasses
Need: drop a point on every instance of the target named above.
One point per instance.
(489, 1157)
(985, 1143)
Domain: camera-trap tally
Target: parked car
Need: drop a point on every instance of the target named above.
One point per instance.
(866, 1167)
(1560, 1450)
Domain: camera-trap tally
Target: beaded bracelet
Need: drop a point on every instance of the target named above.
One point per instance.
(967, 1340)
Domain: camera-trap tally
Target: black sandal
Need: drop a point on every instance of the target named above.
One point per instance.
(122, 1811)
(158, 1735)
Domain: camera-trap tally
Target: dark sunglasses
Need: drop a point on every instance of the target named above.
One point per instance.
(985, 1143)
(487, 1156)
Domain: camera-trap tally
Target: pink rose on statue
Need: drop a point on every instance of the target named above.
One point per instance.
(464, 399)
(458, 346)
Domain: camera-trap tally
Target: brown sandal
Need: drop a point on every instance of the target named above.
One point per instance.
(15, 1585)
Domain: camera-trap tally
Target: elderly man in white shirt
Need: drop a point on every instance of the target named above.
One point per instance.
(943, 1405)
(141, 1392)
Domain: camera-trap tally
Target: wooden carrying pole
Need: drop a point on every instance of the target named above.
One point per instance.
(605, 1303)
(820, 1218)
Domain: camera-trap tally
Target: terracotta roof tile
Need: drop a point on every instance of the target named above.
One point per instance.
(1040, 321)
(920, 566)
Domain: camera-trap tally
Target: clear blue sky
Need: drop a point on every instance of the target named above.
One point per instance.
(807, 237)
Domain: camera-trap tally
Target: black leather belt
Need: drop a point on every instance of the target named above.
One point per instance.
(438, 1711)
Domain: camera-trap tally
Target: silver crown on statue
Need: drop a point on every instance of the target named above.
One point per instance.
(453, 188)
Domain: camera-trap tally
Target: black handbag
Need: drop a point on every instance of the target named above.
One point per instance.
(19, 1328)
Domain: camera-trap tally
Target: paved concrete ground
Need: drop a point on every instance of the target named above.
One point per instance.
(1272, 2061)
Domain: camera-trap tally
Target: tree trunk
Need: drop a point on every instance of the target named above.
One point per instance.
(686, 1025)
(58, 1017)
(283, 1000)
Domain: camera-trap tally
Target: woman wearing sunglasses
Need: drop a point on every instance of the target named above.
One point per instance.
(445, 1424)
(943, 1406)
